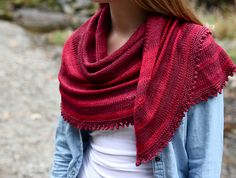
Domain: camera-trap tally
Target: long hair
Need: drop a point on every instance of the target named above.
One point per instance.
(178, 8)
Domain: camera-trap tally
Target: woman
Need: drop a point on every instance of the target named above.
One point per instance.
(141, 94)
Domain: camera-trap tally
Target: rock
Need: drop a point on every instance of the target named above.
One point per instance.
(80, 4)
(230, 105)
(41, 21)
(80, 10)
(29, 105)
(66, 7)
(71, 7)
(227, 44)
(77, 20)
(6, 15)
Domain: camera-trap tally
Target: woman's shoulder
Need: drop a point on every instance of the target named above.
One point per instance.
(184, 24)
(188, 30)
(198, 32)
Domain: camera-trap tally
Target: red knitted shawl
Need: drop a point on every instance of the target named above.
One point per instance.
(166, 66)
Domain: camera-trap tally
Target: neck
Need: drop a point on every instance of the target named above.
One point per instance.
(126, 16)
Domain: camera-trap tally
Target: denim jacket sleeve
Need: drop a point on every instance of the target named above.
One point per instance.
(204, 140)
(68, 150)
(62, 153)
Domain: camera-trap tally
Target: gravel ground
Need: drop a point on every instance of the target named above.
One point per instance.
(29, 106)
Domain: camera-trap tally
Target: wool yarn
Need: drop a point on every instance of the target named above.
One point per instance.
(166, 66)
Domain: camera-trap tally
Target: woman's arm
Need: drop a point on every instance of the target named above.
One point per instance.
(62, 153)
(205, 138)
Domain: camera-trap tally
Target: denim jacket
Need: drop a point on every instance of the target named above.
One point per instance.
(195, 151)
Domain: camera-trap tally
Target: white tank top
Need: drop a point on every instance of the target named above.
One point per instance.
(112, 154)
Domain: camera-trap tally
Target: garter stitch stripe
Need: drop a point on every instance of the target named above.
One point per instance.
(165, 67)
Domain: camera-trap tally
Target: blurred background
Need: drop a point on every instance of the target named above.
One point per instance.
(32, 33)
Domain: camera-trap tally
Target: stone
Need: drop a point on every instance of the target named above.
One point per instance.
(41, 21)
(80, 4)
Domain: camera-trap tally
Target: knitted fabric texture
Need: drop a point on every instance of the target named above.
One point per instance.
(166, 66)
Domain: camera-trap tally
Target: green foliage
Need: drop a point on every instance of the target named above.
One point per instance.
(232, 53)
(225, 28)
(222, 23)
(5, 13)
(2, 4)
(215, 3)
(49, 4)
(58, 37)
